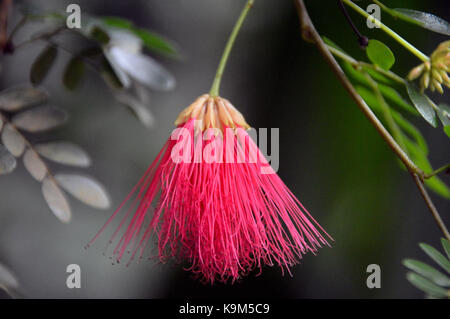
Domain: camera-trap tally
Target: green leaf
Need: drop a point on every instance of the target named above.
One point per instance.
(354, 74)
(380, 54)
(417, 149)
(412, 131)
(447, 130)
(444, 114)
(117, 22)
(99, 35)
(422, 104)
(357, 76)
(73, 73)
(397, 99)
(380, 77)
(419, 144)
(425, 20)
(155, 42)
(438, 186)
(426, 285)
(427, 271)
(436, 256)
(446, 245)
(41, 66)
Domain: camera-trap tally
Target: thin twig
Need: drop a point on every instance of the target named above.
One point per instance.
(19, 25)
(437, 171)
(431, 207)
(4, 23)
(362, 39)
(309, 32)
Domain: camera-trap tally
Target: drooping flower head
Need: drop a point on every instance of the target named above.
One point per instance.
(214, 202)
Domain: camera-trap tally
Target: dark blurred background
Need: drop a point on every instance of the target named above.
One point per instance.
(330, 156)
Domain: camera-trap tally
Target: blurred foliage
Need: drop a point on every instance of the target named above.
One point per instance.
(23, 111)
(431, 281)
(115, 52)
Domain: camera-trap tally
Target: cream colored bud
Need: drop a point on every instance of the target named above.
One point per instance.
(416, 72)
(425, 80)
(212, 112)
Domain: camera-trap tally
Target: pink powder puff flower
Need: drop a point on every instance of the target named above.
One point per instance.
(214, 202)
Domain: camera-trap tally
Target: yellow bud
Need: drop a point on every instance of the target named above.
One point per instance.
(436, 75)
(438, 86)
(425, 81)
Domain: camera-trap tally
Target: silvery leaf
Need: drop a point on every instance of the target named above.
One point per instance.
(427, 20)
(123, 78)
(142, 68)
(7, 279)
(14, 99)
(422, 104)
(140, 110)
(56, 200)
(40, 118)
(34, 165)
(84, 189)
(64, 153)
(7, 161)
(13, 141)
(124, 39)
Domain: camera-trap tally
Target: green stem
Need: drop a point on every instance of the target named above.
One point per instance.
(390, 32)
(223, 61)
(364, 65)
(437, 171)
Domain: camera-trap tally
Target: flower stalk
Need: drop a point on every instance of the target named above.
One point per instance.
(226, 53)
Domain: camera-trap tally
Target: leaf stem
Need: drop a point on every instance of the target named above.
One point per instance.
(17, 27)
(437, 171)
(223, 61)
(389, 31)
